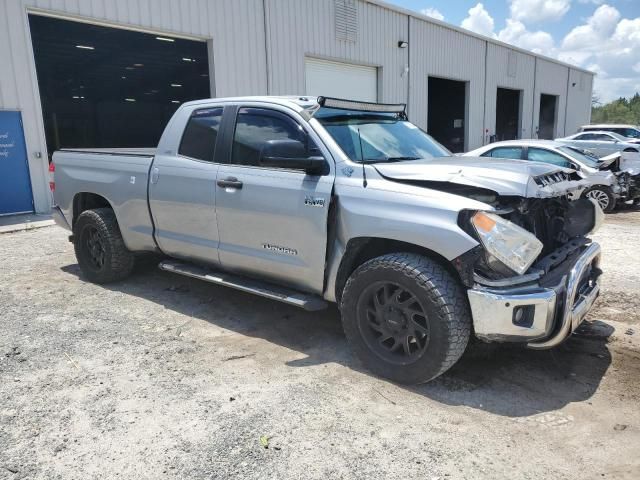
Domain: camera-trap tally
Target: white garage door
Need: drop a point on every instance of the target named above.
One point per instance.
(341, 80)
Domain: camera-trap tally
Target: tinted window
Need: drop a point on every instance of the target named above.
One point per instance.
(505, 152)
(255, 127)
(199, 138)
(602, 138)
(547, 156)
(586, 136)
(628, 132)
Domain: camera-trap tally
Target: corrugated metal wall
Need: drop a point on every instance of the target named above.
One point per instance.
(235, 28)
(308, 29)
(259, 47)
(509, 69)
(551, 79)
(442, 52)
(578, 100)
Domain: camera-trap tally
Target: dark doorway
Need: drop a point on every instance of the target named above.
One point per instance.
(507, 114)
(110, 87)
(548, 116)
(447, 116)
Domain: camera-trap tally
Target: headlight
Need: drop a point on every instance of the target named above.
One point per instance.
(506, 241)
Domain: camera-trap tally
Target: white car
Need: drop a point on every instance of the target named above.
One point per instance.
(631, 132)
(611, 180)
(601, 143)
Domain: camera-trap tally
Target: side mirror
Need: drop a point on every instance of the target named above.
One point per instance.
(575, 166)
(291, 154)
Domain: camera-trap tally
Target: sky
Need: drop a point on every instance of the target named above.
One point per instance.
(600, 35)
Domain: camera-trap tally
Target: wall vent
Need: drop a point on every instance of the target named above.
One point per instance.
(512, 64)
(346, 17)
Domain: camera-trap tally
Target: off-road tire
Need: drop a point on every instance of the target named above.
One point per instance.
(444, 302)
(604, 191)
(117, 262)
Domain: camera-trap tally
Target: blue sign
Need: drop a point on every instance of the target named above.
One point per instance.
(15, 185)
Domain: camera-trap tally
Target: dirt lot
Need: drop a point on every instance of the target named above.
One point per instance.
(166, 377)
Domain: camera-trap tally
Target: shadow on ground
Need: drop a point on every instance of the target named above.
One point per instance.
(508, 381)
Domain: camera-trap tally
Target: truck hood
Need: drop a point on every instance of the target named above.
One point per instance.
(503, 177)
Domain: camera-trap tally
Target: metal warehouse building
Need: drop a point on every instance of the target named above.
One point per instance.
(108, 73)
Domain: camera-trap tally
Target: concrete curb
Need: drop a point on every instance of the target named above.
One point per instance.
(29, 223)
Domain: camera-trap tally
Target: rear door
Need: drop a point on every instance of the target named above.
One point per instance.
(272, 221)
(182, 186)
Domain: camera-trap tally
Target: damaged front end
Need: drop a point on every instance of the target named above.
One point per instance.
(532, 277)
(543, 302)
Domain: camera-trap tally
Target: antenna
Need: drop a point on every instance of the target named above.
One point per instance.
(364, 173)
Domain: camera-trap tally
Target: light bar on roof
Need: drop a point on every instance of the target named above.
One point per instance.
(329, 102)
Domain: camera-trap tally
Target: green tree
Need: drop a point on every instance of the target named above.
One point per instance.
(622, 110)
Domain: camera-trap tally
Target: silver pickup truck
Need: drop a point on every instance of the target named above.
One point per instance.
(309, 201)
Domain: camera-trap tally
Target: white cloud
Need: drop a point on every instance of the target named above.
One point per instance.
(432, 12)
(517, 34)
(479, 21)
(532, 11)
(610, 46)
(598, 28)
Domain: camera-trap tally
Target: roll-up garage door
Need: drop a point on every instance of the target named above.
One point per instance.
(341, 80)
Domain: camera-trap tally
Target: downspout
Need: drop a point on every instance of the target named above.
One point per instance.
(484, 104)
(566, 102)
(267, 51)
(533, 107)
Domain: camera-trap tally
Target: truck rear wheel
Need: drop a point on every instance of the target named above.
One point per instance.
(99, 247)
(406, 317)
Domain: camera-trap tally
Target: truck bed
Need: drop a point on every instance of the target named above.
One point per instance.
(117, 175)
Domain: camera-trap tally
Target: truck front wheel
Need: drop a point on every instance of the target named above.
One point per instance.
(406, 317)
(99, 247)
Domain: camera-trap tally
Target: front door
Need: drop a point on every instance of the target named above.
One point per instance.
(272, 221)
(15, 185)
(182, 190)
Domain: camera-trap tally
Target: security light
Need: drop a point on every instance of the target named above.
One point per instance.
(403, 44)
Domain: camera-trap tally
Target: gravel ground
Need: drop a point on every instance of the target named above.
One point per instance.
(162, 376)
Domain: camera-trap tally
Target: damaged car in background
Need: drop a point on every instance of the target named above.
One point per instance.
(611, 180)
(310, 201)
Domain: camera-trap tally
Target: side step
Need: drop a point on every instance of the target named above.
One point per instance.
(282, 294)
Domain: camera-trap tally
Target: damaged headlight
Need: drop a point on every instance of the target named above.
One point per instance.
(512, 245)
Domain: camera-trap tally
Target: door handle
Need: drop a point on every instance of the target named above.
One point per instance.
(155, 174)
(230, 182)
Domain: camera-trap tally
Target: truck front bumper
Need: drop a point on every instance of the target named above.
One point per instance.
(541, 316)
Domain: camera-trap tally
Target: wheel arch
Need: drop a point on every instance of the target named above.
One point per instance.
(361, 249)
(83, 201)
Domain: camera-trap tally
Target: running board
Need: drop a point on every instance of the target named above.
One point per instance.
(282, 294)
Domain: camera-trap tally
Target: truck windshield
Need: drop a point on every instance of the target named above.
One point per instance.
(385, 137)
